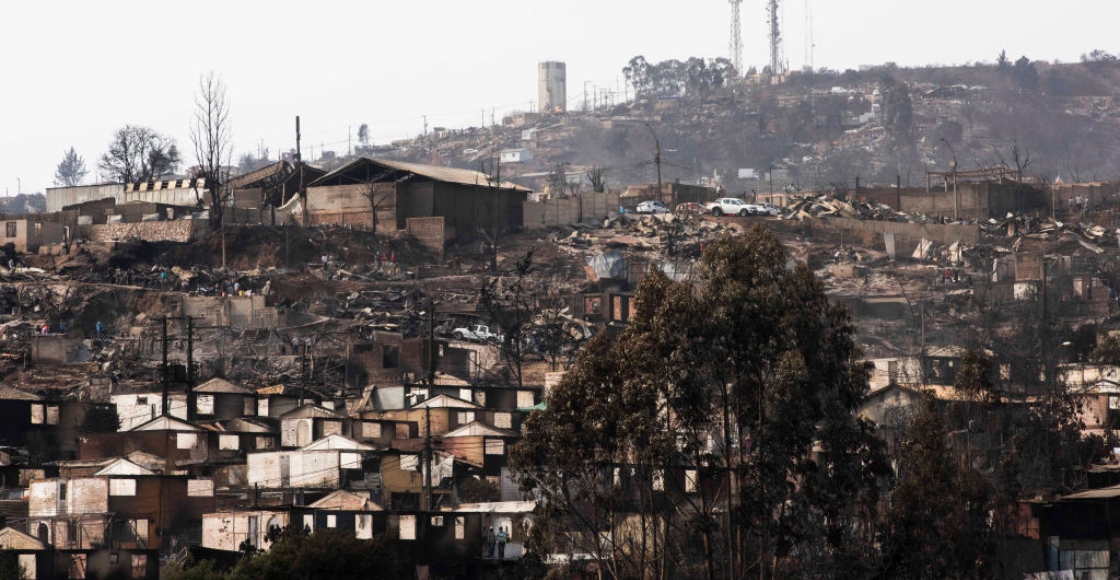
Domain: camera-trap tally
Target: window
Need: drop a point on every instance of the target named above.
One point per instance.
(38, 414)
(525, 399)
(407, 527)
(264, 443)
(495, 447)
(332, 428)
(229, 442)
(410, 463)
(186, 440)
(690, 481)
(390, 356)
(122, 487)
(52, 414)
(465, 417)
(309, 522)
(332, 521)
(62, 491)
(503, 420)
(205, 404)
(480, 398)
(363, 526)
(262, 408)
(38, 229)
(249, 408)
(10, 229)
(437, 521)
(139, 565)
(460, 528)
(592, 306)
(658, 480)
(401, 431)
(465, 394)
(371, 430)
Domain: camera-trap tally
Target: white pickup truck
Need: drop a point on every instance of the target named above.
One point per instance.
(476, 333)
(729, 206)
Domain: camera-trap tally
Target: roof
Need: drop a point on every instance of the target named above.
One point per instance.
(262, 174)
(8, 393)
(335, 441)
(342, 499)
(479, 429)
(217, 385)
(13, 539)
(441, 401)
(365, 170)
(1102, 493)
(166, 423)
(311, 410)
(241, 425)
(123, 467)
(499, 507)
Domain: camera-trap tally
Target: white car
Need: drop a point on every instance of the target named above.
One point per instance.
(651, 207)
(729, 206)
(765, 208)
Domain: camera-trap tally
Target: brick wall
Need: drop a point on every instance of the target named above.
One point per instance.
(567, 211)
(173, 231)
(429, 232)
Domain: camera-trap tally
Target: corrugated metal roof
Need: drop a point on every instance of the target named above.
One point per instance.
(1102, 493)
(434, 172)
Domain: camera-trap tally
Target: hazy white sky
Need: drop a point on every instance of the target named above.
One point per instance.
(75, 71)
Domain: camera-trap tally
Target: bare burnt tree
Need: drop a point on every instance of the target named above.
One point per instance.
(139, 154)
(597, 175)
(492, 222)
(378, 200)
(213, 148)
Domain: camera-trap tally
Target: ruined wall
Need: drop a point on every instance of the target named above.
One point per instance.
(172, 231)
(570, 210)
(907, 235)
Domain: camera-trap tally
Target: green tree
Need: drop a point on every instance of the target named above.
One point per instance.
(71, 170)
(101, 419)
(746, 381)
(327, 553)
(1025, 74)
(938, 522)
(10, 568)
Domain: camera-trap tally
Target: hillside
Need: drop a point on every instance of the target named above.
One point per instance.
(820, 130)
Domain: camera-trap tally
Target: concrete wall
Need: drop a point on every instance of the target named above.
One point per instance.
(173, 231)
(305, 469)
(233, 311)
(59, 197)
(907, 235)
(571, 210)
(28, 234)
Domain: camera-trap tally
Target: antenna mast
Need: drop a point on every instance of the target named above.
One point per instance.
(735, 46)
(776, 66)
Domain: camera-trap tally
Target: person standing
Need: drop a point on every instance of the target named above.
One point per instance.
(99, 328)
(502, 537)
(491, 541)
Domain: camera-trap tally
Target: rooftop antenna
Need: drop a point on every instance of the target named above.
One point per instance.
(735, 45)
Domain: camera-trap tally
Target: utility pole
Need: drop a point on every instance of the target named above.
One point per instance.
(165, 369)
(431, 380)
(656, 159)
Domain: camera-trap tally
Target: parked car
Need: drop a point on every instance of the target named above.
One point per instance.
(729, 206)
(652, 207)
(476, 333)
(692, 207)
(765, 208)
